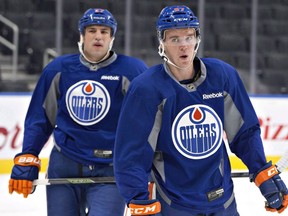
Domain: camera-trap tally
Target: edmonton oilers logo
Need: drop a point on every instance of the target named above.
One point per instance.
(197, 132)
(88, 102)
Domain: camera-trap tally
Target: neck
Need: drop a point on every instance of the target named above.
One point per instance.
(182, 73)
(97, 61)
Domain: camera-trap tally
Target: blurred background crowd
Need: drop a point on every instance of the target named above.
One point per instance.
(251, 35)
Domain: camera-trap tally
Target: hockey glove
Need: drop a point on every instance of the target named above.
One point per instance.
(26, 169)
(272, 188)
(144, 207)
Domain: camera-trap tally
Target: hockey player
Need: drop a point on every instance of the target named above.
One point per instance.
(78, 99)
(172, 122)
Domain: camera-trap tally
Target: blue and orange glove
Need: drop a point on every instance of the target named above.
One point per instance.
(26, 169)
(272, 188)
(144, 207)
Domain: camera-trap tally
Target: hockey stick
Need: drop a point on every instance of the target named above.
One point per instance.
(281, 165)
(87, 180)
(239, 174)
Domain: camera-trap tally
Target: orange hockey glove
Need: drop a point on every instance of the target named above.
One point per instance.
(272, 188)
(144, 207)
(26, 169)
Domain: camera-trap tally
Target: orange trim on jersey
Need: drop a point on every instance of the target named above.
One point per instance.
(150, 189)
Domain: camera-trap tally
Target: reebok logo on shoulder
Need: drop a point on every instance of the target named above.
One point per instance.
(212, 95)
(105, 77)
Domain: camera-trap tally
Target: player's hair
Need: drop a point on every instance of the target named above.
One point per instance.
(97, 16)
(179, 16)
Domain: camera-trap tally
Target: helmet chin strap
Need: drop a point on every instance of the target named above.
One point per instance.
(162, 54)
(80, 47)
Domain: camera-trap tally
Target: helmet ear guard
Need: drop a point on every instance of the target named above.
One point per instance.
(198, 38)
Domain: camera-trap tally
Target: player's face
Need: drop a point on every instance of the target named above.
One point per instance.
(96, 42)
(179, 45)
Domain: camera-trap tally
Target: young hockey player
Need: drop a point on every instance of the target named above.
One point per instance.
(172, 123)
(78, 99)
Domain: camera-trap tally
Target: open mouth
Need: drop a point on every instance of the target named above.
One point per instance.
(97, 45)
(184, 57)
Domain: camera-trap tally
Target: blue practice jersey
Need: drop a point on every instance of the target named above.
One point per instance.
(178, 130)
(80, 104)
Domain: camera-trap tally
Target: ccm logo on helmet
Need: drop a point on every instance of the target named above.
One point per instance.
(180, 19)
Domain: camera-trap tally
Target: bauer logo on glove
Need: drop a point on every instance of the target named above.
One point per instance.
(27, 160)
(25, 171)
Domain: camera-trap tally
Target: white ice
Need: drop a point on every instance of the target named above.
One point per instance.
(249, 199)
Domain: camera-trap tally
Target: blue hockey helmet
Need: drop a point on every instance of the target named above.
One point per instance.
(179, 16)
(97, 16)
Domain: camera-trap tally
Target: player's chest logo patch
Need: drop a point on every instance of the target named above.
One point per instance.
(88, 102)
(197, 132)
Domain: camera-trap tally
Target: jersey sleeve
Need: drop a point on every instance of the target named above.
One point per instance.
(133, 155)
(242, 125)
(41, 114)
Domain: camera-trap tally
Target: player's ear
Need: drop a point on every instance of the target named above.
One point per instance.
(160, 48)
(161, 51)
